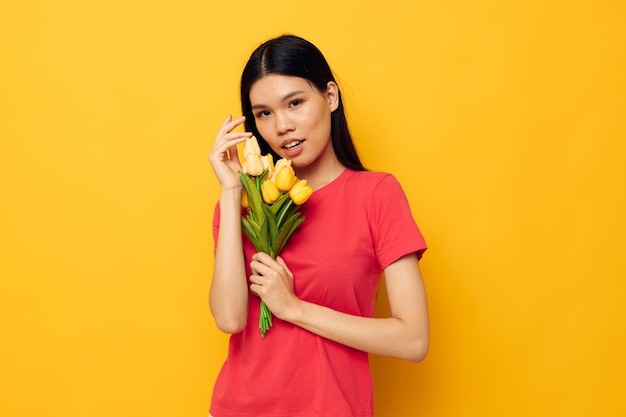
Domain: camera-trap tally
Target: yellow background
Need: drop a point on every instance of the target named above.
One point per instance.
(503, 120)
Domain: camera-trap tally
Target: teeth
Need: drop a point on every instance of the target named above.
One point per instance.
(292, 144)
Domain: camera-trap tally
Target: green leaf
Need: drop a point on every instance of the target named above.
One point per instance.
(291, 230)
(285, 232)
(285, 212)
(263, 176)
(279, 203)
(271, 222)
(255, 200)
(252, 234)
(264, 238)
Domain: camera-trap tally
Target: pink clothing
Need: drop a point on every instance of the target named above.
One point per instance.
(355, 227)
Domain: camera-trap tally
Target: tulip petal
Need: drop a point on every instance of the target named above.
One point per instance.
(270, 192)
(285, 178)
(300, 192)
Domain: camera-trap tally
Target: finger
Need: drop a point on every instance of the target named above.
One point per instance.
(226, 138)
(226, 141)
(233, 153)
(260, 269)
(226, 148)
(255, 288)
(230, 140)
(230, 124)
(262, 257)
(264, 264)
(256, 278)
(282, 263)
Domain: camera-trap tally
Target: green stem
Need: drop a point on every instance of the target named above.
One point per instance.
(283, 212)
(265, 319)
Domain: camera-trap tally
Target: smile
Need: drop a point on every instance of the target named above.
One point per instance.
(293, 144)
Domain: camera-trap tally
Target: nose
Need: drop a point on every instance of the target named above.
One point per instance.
(283, 123)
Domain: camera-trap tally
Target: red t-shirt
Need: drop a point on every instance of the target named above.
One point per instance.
(355, 227)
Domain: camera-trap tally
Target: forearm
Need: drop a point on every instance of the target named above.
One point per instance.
(404, 335)
(390, 336)
(229, 289)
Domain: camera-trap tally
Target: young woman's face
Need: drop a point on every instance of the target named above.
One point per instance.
(294, 117)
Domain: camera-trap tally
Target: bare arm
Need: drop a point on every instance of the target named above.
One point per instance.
(228, 297)
(404, 335)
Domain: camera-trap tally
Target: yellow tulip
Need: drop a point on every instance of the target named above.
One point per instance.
(300, 192)
(279, 164)
(251, 147)
(253, 165)
(268, 163)
(270, 192)
(283, 176)
(244, 198)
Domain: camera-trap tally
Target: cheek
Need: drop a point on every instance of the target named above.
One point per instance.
(311, 120)
(320, 122)
(265, 129)
(268, 133)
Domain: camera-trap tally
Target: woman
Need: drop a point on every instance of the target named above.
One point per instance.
(321, 290)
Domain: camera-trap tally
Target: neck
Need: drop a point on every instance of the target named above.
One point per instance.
(320, 173)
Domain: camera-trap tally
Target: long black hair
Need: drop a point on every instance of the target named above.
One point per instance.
(293, 56)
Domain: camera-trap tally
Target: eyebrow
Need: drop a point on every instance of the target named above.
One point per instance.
(285, 98)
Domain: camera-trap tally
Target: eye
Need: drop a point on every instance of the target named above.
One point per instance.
(294, 103)
(262, 113)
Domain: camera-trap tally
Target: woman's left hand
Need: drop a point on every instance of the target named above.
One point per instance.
(273, 282)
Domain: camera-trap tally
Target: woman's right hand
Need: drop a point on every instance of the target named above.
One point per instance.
(224, 156)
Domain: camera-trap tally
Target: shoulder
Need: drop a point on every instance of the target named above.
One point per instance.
(381, 182)
(371, 178)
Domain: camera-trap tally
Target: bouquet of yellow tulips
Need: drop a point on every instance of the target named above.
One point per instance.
(271, 195)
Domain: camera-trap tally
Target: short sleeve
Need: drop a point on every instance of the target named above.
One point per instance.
(393, 229)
